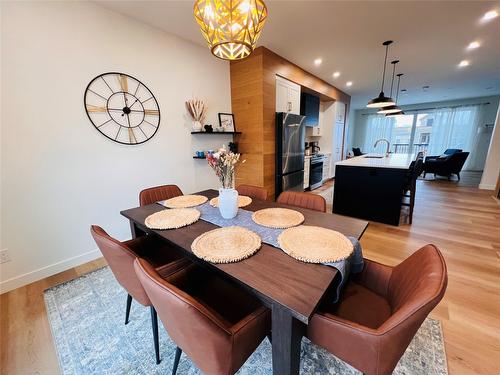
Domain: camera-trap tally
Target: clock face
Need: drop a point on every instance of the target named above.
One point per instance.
(122, 108)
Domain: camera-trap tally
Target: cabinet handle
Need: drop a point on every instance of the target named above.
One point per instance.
(289, 106)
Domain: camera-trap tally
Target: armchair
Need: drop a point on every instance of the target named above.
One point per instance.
(446, 166)
(380, 311)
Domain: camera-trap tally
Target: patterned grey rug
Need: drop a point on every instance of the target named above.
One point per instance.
(86, 317)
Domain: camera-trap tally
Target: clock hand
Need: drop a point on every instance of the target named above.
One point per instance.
(121, 110)
(131, 134)
(136, 100)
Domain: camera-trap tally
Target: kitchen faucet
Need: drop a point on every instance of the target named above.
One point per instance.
(383, 140)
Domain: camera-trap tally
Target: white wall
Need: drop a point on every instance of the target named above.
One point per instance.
(59, 174)
(492, 165)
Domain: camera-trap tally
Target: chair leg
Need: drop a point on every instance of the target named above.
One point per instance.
(412, 203)
(458, 175)
(154, 324)
(178, 352)
(127, 310)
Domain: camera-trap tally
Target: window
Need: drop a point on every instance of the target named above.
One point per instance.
(424, 138)
(431, 132)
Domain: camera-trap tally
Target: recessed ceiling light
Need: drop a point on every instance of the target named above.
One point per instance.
(488, 16)
(463, 64)
(348, 83)
(473, 45)
(336, 75)
(318, 62)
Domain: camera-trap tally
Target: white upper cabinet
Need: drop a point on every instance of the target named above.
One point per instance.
(287, 96)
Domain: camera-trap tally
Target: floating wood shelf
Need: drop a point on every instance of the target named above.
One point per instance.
(215, 133)
(204, 157)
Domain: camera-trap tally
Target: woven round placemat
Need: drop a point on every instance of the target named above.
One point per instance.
(243, 201)
(171, 219)
(278, 218)
(315, 244)
(184, 201)
(226, 245)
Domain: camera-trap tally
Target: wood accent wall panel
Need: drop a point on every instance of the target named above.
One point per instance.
(253, 98)
(247, 104)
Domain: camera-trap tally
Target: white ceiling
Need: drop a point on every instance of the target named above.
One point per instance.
(430, 40)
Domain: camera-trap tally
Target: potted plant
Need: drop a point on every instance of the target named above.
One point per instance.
(224, 163)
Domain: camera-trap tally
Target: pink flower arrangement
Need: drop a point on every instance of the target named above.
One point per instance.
(224, 163)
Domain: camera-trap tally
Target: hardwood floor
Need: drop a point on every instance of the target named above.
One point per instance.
(26, 345)
(462, 221)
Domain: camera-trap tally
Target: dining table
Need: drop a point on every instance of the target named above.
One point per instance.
(291, 289)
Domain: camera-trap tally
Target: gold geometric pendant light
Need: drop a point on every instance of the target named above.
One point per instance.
(231, 27)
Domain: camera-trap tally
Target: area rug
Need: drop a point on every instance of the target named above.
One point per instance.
(86, 316)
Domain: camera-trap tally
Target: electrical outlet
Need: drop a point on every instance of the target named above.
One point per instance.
(4, 256)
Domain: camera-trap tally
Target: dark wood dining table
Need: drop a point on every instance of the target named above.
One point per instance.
(290, 288)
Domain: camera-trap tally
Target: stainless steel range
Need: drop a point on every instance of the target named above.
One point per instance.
(316, 172)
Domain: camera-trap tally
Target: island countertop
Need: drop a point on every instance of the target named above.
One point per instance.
(399, 161)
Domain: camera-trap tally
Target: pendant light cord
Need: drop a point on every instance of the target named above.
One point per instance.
(385, 63)
(399, 80)
(393, 72)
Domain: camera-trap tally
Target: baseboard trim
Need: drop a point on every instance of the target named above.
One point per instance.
(52, 269)
(486, 187)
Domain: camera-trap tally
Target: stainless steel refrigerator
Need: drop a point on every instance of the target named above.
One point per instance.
(290, 137)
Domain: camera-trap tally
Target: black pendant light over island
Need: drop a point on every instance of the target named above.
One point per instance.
(392, 108)
(382, 100)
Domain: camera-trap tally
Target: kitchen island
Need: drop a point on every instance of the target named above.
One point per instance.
(371, 186)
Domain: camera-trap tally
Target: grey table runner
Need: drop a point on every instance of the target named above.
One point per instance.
(243, 219)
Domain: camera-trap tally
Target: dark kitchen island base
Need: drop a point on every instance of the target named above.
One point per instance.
(369, 193)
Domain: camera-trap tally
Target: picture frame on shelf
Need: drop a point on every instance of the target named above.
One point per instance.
(226, 121)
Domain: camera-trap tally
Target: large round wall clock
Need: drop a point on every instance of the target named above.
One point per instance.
(122, 108)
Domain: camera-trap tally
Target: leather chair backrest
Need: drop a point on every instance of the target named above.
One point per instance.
(192, 326)
(158, 193)
(418, 168)
(256, 192)
(418, 281)
(416, 286)
(457, 161)
(120, 259)
(451, 151)
(303, 200)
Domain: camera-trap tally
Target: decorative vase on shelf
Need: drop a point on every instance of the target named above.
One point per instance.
(228, 202)
(197, 126)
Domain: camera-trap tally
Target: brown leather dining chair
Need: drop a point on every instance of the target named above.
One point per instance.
(120, 257)
(303, 200)
(214, 322)
(256, 192)
(380, 310)
(158, 193)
